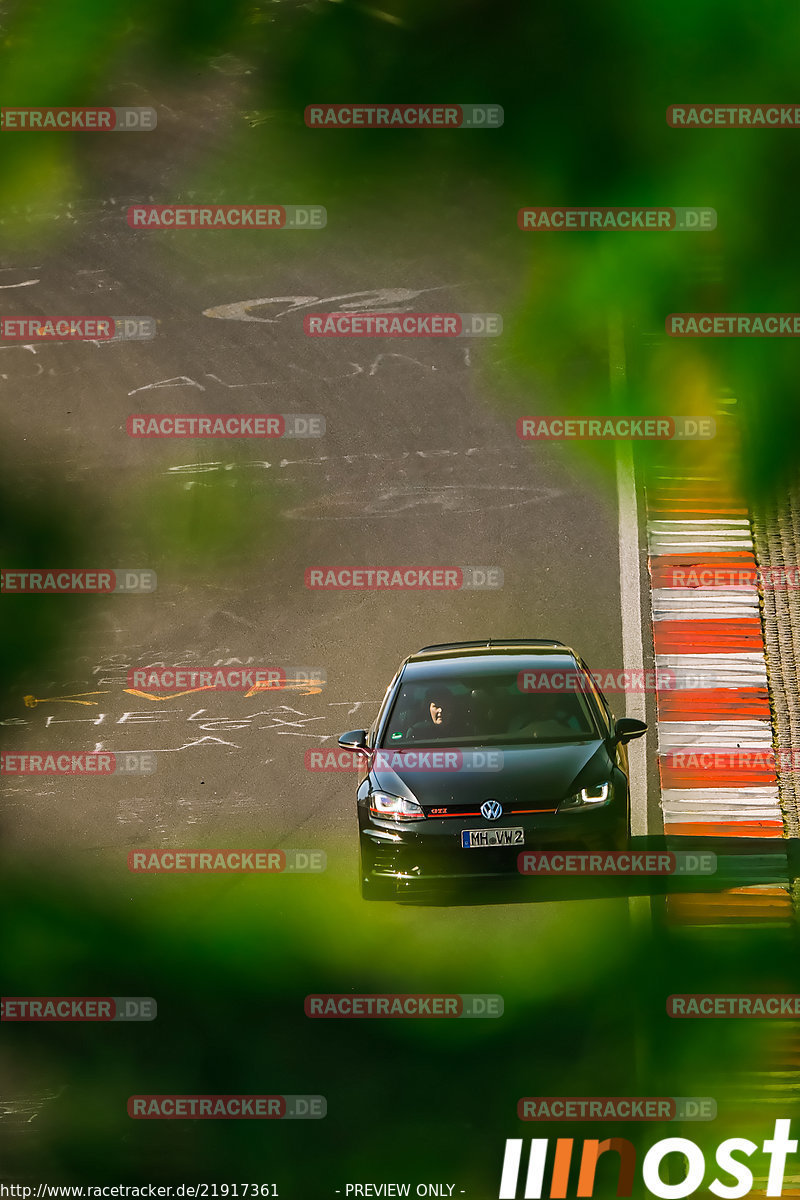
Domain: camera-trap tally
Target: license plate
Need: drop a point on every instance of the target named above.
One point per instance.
(476, 839)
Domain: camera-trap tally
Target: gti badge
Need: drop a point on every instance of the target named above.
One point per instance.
(491, 810)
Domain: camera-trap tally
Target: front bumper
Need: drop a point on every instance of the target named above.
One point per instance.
(430, 850)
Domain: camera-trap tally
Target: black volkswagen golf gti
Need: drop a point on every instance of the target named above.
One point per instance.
(479, 751)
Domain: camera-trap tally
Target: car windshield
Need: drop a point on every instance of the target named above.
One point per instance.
(487, 709)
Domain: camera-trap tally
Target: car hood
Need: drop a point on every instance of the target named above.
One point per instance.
(530, 779)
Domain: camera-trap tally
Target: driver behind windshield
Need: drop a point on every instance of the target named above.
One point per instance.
(436, 716)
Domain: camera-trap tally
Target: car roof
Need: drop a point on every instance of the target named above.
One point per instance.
(492, 644)
(478, 657)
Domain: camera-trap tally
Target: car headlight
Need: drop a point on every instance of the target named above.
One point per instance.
(394, 808)
(588, 797)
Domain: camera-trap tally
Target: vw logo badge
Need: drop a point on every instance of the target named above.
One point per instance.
(491, 810)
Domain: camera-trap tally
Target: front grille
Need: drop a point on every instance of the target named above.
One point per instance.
(460, 814)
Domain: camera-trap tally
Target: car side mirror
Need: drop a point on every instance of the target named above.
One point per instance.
(628, 728)
(356, 739)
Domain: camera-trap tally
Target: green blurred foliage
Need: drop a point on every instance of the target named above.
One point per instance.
(230, 960)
